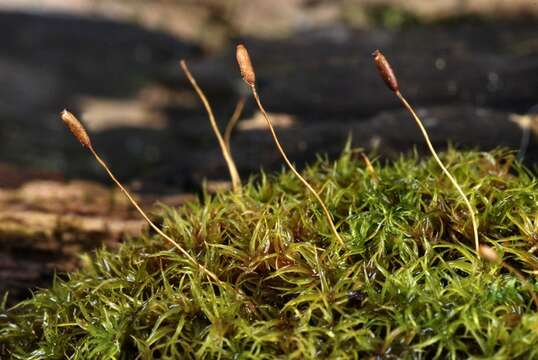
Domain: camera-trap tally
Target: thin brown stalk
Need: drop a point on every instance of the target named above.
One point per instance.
(233, 120)
(369, 166)
(249, 76)
(388, 76)
(234, 175)
(442, 166)
(292, 168)
(80, 133)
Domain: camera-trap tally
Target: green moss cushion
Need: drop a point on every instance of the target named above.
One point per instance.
(408, 284)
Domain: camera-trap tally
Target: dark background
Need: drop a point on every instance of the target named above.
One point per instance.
(469, 67)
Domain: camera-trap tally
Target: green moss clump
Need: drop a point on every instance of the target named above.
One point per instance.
(408, 285)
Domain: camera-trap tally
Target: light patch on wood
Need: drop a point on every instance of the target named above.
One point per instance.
(526, 122)
(257, 122)
(103, 114)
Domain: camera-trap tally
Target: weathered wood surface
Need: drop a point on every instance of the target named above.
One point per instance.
(324, 79)
(45, 225)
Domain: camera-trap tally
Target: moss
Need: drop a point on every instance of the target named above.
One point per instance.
(408, 284)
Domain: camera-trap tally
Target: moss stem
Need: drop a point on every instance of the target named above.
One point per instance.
(292, 168)
(153, 226)
(233, 121)
(234, 175)
(442, 166)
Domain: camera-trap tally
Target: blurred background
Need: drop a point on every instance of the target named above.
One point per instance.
(469, 66)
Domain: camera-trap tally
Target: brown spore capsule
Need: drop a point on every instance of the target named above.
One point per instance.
(76, 128)
(385, 70)
(245, 65)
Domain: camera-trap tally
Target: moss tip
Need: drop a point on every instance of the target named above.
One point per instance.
(245, 65)
(385, 70)
(76, 128)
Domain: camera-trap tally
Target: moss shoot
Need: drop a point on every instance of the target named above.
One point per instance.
(408, 284)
